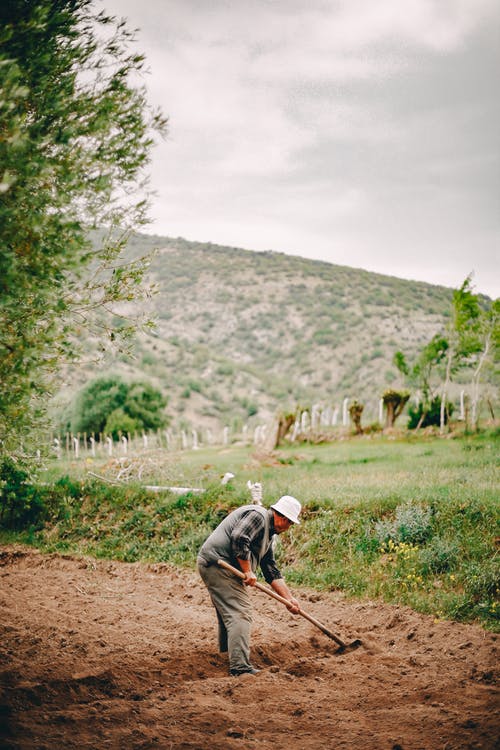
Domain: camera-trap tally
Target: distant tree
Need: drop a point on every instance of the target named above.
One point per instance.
(426, 364)
(355, 411)
(419, 375)
(470, 340)
(488, 333)
(95, 402)
(462, 335)
(285, 421)
(394, 402)
(76, 135)
(109, 405)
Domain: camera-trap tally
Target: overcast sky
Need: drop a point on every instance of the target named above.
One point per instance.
(361, 132)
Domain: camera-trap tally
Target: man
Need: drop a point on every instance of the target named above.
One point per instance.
(244, 539)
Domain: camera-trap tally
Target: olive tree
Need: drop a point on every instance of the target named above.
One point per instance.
(76, 134)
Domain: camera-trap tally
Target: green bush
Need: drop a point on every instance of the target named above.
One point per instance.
(20, 505)
(112, 399)
(438, 556)
(432, 414)
(482, 580)
(412, 523)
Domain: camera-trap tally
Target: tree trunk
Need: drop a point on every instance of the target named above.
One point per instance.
(390, 414)
(394, 402)
(285, 422)
(355, 411)
(422, 417)
(444, 392)
(490, 407)
(475, 382)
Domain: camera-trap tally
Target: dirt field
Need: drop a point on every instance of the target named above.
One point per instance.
(97, 654)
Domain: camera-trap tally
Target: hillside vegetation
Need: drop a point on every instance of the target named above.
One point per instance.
(241, 334)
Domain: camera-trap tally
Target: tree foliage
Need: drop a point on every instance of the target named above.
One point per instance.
(109, 405)
(75, 139)
(470, 341)
(463, 335)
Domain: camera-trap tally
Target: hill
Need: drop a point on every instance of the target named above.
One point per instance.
(241, 334)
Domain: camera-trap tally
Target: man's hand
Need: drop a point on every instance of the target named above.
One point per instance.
(293, 606)
(250, 578)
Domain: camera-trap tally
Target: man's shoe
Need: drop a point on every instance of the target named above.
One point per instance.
(238, 672)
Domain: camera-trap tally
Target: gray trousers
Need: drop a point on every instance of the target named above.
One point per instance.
(234, 613)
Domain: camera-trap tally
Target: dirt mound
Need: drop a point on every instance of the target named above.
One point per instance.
(97, 654)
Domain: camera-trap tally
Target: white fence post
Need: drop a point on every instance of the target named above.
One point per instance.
(345, 418)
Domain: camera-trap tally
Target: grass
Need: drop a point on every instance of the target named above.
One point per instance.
(412, 521)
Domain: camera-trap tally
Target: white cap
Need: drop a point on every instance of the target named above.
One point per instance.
(289, 507)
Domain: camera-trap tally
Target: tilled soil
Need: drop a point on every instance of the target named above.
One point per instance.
(97, 654)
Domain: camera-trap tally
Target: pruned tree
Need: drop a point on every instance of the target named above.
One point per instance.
(355, 411)
(285, 421)
(76, 135)
(394, 403)
(279, 428)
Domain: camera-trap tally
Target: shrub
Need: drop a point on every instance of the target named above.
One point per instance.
(438, 556)
(95, 402)
(20, 505)
(412, 523)
(482, 580)
(431, 412)
(101, 398)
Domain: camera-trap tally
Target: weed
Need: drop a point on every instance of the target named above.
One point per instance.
(412, 523)
(439, 556)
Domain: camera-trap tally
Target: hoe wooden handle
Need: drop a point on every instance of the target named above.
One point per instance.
(270, 592)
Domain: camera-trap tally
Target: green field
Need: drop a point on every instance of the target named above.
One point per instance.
(413, 521)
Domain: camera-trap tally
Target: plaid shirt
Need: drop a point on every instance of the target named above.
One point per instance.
(247, 537)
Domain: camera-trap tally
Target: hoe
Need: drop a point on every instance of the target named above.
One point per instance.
(343, 647)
